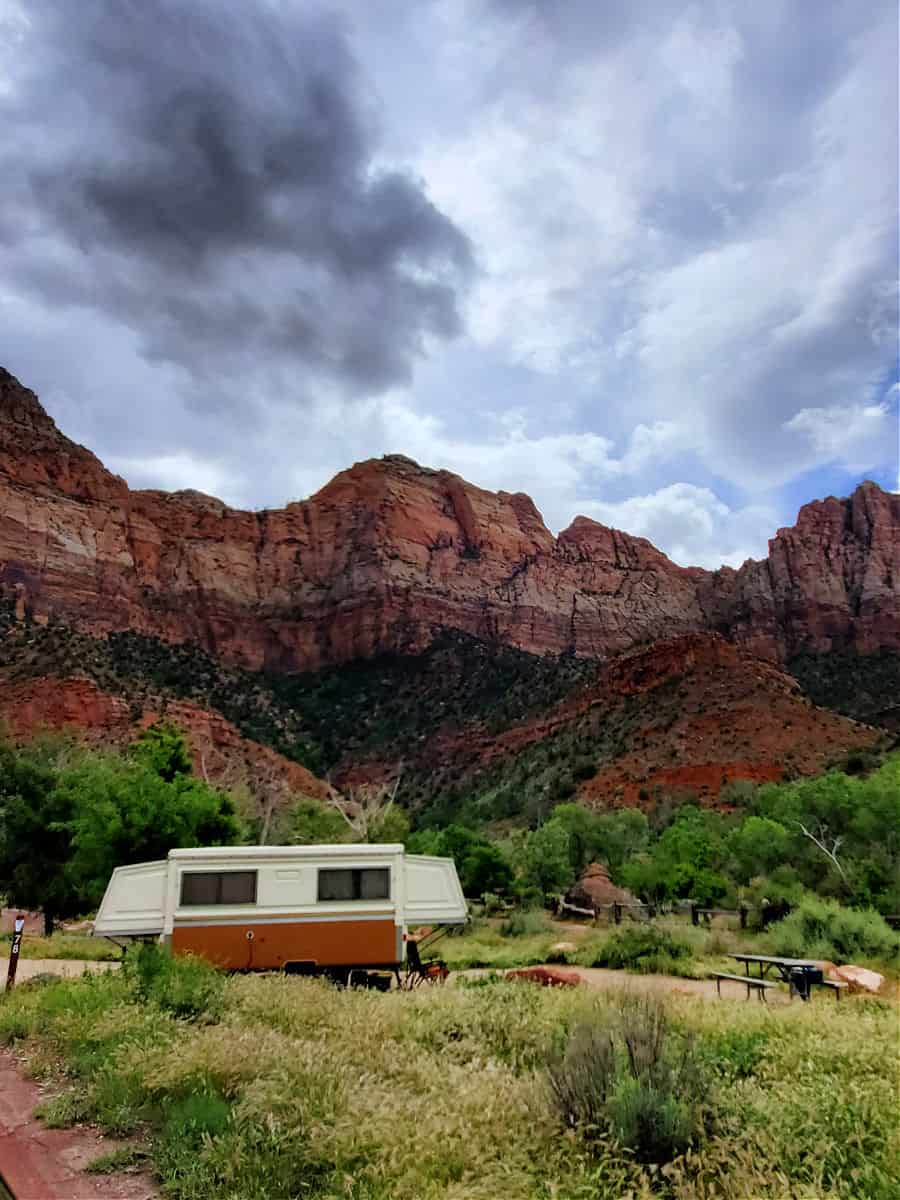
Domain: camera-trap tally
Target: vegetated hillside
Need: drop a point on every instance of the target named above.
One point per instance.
(674, 720)
(106, 691)
(476, 730)
(390, 553)
(866, 687)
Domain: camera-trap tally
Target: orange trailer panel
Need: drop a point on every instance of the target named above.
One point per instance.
(260, 945)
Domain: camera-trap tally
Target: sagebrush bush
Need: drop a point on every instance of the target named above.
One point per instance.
(637, 1078)
(644, 948)
(825, 929)
(583, 1076)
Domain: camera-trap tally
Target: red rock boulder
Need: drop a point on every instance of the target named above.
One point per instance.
(546, 976)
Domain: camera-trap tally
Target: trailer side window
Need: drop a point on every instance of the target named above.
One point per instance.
(355, 883)
(218, 887)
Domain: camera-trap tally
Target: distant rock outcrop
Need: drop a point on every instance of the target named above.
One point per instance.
(595, 889)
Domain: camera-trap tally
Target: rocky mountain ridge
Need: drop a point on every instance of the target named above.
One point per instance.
(389, 552)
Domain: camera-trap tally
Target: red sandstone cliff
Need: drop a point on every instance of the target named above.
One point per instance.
(388, 551)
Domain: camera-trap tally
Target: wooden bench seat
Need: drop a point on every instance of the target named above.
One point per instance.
(749, 982)
(836, 985)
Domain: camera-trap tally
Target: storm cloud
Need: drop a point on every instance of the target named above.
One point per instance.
(205, 170)
(637, 258)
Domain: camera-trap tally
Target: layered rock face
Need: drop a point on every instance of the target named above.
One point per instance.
(390, 551)
(832, 581)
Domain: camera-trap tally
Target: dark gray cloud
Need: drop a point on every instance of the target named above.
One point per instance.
(203, 169)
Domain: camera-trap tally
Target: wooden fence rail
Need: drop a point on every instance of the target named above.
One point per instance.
(649, 911)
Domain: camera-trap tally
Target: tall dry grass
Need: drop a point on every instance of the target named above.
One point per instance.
(291, 1087)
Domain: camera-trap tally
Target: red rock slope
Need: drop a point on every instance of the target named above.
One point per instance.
(388, 551)
(228, 760)
(692, 714)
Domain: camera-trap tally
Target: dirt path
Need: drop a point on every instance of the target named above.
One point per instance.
(66, 967)
(608, 980)
(602, 977)
(37, 1163)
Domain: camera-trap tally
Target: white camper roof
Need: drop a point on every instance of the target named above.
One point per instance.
(335, 849)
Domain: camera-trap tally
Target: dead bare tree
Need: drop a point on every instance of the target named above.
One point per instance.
(819, 841)
(365, 806)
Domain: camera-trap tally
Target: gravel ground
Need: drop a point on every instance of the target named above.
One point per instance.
(28, 967)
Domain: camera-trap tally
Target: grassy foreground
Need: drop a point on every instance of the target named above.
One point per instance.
(265, 1087)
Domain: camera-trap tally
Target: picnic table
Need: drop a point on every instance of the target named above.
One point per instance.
(800, 974)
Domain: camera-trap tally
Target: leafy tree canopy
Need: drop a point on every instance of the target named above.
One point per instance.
(65, 825)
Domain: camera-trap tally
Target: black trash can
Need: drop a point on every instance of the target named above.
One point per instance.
(802, 979)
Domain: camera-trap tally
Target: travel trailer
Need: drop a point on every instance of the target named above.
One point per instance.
(303, 909)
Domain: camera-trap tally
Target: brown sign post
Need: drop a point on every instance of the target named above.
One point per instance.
(14, 952)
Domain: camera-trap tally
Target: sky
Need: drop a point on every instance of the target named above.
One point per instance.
(638, 258)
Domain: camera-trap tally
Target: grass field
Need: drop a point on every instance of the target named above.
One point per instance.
(62, 945)
(676, 947)
(264, 1087)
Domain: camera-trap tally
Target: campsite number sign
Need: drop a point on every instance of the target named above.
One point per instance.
(14, 953)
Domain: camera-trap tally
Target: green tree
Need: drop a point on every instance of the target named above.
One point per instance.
(35, 839)
(123, 812)
(582, 830)
(309, 822)
(685, 861)
(481, 864)
(622, 835)
(485, 869)
(544, 862)
(163, 748)
(756, 847)
(845, 832)
(390, 827)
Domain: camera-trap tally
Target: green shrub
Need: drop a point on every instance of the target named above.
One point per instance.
(736, 1053)
(825, 929)
(184, 986)
(640, 1080)
(642, 948)
(492, 904)
(651, 1119)
(524, 924)
(582, 1078)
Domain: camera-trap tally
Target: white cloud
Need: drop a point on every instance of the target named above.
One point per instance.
(647, 226)
(685, 216)
(181, 472)
(856, 436)
(692, 525)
